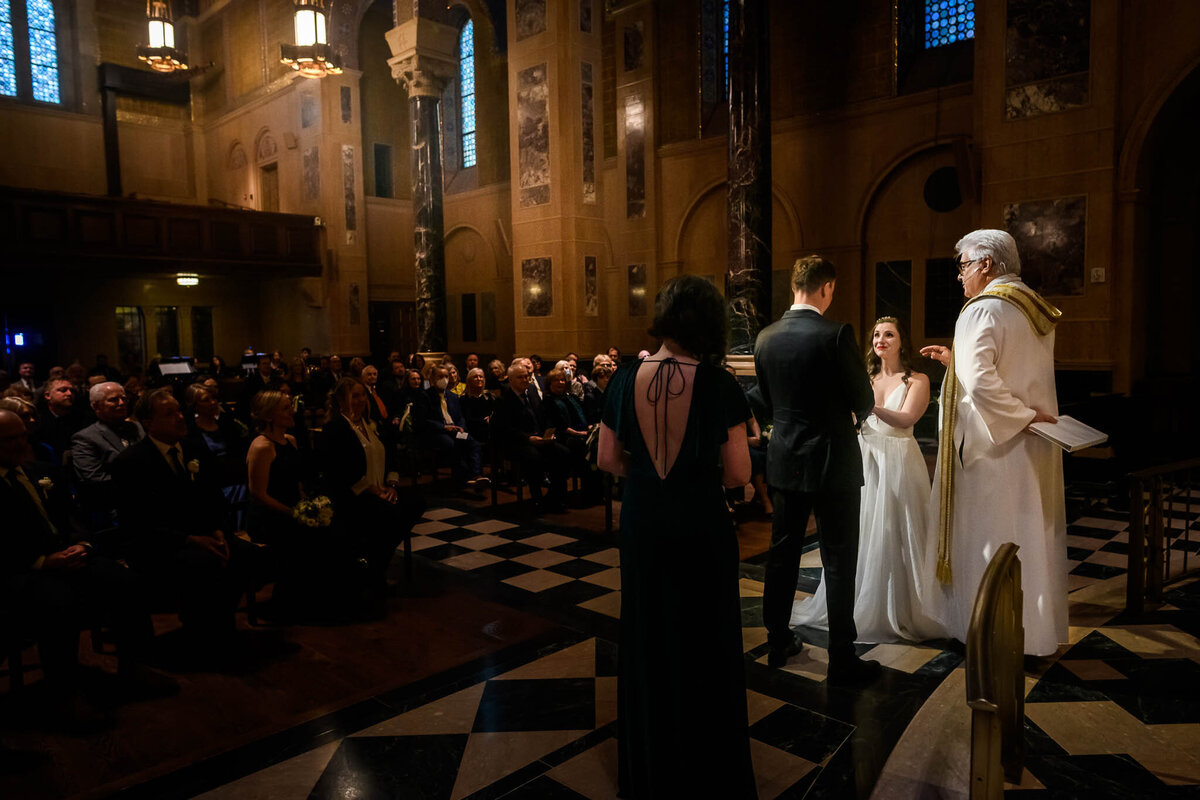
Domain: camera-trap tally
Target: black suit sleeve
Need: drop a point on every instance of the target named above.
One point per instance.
(854, 375)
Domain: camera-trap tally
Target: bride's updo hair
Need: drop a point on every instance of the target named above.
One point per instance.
(690, 310)
(875, 363)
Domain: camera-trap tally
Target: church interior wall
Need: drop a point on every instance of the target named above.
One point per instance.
(848, 155)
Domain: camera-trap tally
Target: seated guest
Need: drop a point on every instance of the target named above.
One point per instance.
(356, 367)
(297, 377)
(264, 378)
(374, 517)
(173, 520)
(312, 564)
(413, 394)
(441, 428)
(563, 412)
(25, 377)
(133, 391)
(27, 411)
(217, 367)
(518, 429)
(225, 439)
(496, 377)
(394, 381)
(416, 361)
(377, 407)
(477, 406)
(593, 390)
(95, 447)
(471, 361)
(574, 385)
(457, 387)
(60, 418)
(50, 584)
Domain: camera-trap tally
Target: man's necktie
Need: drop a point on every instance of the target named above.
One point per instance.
(446, 411)
(176, 460)
(383, 414)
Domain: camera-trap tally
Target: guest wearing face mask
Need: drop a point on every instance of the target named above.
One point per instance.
(441, 427)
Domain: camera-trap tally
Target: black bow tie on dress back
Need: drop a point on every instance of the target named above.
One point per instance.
(661, 388)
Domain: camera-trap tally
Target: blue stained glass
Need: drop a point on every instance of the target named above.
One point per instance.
(43, 50)
(8, 64)
(466, 87)
(949, 21)
(725, 42)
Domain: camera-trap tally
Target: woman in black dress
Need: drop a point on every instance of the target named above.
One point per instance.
(675, 426)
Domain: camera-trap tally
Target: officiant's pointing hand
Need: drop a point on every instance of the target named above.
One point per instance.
(937, 353)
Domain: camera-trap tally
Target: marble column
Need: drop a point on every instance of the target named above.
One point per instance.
(748, 281)
(423, 61)
(427, 224)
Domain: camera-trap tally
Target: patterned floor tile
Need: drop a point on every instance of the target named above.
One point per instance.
(610, 557)
(1093, 670)
(442, 513)
(490, 756)
(576, 661)
(425, 542)
(407, 766)
(472, 560)
(482, 542)
(592, 773)
(542, 704)
(775, 770)
(542, 558)
(293, 778)
(427, 528)
(490, 526)
(537, 581)
(609, 579)
(607, 604)
(546, 540)
(904, 657)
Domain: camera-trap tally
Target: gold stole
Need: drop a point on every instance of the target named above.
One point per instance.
(1042, 318)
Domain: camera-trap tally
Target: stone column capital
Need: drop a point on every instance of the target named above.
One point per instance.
(424, 56)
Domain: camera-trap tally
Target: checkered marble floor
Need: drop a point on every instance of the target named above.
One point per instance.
(568, 568)
(542, 729)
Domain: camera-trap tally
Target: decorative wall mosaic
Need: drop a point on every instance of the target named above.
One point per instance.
(637, 290)
(310, 111)
(348, 187)
(533, 136)
(1050, 238)
(591, 288)
(345, 99)
(589, 135)
(635, 46)
(585, 16)
(312, 173)
(635, 157)
(531, 18)
(1047, 55)
(537, 293)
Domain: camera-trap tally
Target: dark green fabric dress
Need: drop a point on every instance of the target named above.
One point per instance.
(682, 723)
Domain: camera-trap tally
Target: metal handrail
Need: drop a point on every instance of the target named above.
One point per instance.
(995, 677)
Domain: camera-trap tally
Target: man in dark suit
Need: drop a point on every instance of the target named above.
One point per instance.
(59, 418)
(51, 580)
(518, 428)
(441, 426)
(173, 517)
(94, 448)
(815, 390)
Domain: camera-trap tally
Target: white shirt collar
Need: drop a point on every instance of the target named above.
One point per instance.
(804, 307)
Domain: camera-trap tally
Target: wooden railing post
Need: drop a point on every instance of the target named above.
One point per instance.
(1154, 544)
(1135, 581)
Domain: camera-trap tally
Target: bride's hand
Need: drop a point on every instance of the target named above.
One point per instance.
(937, 353)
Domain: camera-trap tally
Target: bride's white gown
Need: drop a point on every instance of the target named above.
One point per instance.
(894, 584)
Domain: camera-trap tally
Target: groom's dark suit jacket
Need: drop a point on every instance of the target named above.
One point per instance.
(812, 377)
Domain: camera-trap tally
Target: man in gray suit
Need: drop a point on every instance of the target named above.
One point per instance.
(94, 448)
(815, 390)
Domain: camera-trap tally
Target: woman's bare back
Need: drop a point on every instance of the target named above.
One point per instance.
(663, 400)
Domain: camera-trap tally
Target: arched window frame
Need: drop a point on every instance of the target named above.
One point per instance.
(23, 77)
(466, 94)
(947, 21)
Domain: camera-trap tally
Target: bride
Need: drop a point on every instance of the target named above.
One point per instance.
(894, 582)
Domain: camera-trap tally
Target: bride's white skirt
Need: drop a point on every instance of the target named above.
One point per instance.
(895, 589)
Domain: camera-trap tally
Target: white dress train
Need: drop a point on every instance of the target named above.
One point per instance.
(894, 581)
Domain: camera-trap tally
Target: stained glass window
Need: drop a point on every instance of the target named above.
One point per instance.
(466, 80)
(43, 50)
(948, 21)
(725, 43)
(8, 62)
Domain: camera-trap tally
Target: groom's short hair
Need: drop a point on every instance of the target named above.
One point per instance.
(811, 273)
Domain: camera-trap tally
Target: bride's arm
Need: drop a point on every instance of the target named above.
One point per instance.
(915, 404)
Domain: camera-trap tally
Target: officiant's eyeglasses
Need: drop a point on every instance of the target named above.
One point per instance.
(962, 265)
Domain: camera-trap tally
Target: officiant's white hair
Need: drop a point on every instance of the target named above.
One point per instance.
(997, 244)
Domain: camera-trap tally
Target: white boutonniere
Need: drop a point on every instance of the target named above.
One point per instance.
(193, 468)
(45, 484)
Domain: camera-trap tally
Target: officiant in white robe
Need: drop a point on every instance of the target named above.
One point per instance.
(1005, 484)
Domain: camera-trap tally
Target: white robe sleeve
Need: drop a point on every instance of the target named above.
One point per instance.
(979, 337)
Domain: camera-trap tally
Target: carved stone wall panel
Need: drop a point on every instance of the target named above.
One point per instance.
(533, 136)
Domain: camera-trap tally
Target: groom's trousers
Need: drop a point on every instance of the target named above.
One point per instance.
(837, 532)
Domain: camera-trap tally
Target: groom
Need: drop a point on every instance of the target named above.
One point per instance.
(815, 390)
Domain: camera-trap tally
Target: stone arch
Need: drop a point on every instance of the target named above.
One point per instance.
(499, 265)
(1131, 163)
(793, 232)
(235, 157)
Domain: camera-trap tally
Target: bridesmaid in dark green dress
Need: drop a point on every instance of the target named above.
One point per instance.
(674, 426)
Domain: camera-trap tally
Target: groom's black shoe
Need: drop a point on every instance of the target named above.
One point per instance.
(853, 672)
(778, 656)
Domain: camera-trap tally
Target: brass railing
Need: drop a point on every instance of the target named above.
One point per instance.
(996, 677)
(1154, 494)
